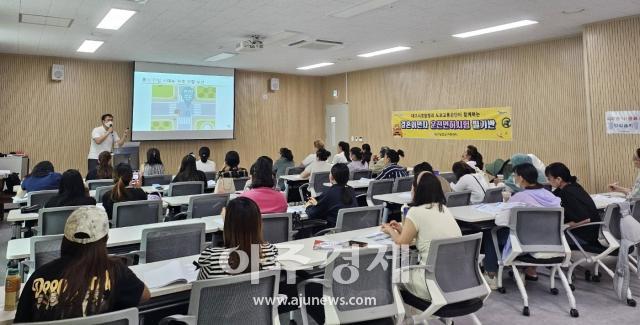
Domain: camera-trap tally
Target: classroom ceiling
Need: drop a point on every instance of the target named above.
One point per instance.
(189, 31)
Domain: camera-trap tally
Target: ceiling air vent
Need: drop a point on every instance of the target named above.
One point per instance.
(45, 20)
(317, 44)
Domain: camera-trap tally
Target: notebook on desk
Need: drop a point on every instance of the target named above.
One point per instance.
(173, 272)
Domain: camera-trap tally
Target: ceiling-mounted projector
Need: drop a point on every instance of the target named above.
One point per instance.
(254, 43)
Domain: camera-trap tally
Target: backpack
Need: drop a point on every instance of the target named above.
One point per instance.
(11, 181)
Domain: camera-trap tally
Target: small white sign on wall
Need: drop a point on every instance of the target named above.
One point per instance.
(622, 122)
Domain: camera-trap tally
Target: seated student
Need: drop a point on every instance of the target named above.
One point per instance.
(426, 167)
(338, 196)
(472, 157)
(319, 165)
(204, 164)
(188, 171)
(469, 180)
(262, 192)
(519, 159)
(72, 191)
(42, 177)
(104, 169)
(427, 219)
(280, 166)
(231, 169)
(578, 205)
(357, 163)
(366, 153)
(66, 287)
(379, 163)
(317, 145)
(154, 165)
(533, 195)
(124, 190)
(343, 154)
(634, 191)
(392, 169)
(242, 230)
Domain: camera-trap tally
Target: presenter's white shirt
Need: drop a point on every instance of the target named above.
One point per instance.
(106, 145)
(208, 167)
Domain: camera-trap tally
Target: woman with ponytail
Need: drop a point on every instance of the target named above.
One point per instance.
(125, 189)
(262, 189)
(472, 157)
(343, 154)
(357, 161)
(104, 169)
(339, 196)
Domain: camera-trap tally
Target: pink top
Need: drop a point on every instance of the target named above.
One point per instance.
(267, 199)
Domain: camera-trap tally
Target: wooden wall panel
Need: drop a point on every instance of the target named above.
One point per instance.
(612, 53)
(53, 120)
(543, 83)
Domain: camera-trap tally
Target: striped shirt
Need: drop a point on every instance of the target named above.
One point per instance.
(392, 171)
(213, 261)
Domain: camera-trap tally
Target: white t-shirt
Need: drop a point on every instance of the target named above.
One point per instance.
(207, 167)
(106, 145)
(318, 166)
(475, 183)
(340, 159)
(309, 159)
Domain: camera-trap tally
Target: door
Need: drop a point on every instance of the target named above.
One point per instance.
(336, 126)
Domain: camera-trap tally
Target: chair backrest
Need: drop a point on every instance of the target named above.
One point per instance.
(317, 181)
(40, 197)
(612, 217)
(456, 199)
(93, 184)
(185, 188)
(240, 183)
(210, 176)
(538, 229)
(44, 249)
(374, 267)
(230, 300)
(358, 174)
(635, 209)
(100, 192)
(51, 221)
(167, 242)
(450, 177)
(277, 227)
(402, 184)
(383, 186)
(121, 317)
(459, 254)
(156, 179)
(293, 170)
(135, 213)
(359, 218)
(493, 195)
(207, 205)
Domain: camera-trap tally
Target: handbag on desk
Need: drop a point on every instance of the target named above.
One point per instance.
(225, 185)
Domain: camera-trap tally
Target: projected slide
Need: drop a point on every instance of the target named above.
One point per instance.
(182, 105)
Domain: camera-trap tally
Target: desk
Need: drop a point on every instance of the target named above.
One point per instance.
(470, 214)
(20, 248)
(19, 200)
(293, 178)
(397, 198)
(361, 183)
(602, 200)
(140, 269)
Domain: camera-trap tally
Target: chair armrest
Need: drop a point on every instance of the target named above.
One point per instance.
(494, 238)
(190, 320)
(177, 216)
(131, 256)
(575, 241)
(599, 223)
(324, 231)
(301, 293)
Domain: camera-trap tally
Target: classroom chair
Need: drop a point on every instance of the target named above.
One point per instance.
(156, 179)
(383, 186)
(450, 177)
(185, 188)
(100, 192)
(51, 221)
(94, 184)
(277, 227)
(358, 174)
(356, 218)
(531, 231)
(240, 183)
(291, 193)
(43, 249)
(374, 280)
(316, 184)
(210, 176)
(493, 195)
(121, 317)
(457, 199)
(453, 294)
(595, 253)
(40, 197)
(402, 184)
(168, 242)
(204, 205)
(135, 213)
(230, 300)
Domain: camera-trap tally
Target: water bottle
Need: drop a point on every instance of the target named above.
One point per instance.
(11, 287)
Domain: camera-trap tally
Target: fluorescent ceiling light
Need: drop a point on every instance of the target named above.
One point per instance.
(494, 29)
(313, 66)
(89, 46)
(115, 18)
(385, 51)
(220, 56)
(362, 8)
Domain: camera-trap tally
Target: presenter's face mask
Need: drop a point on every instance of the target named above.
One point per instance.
(108, 124)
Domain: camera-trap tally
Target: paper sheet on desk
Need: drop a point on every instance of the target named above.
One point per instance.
(169, 273)
(211, 183)
(405, 195)
(496, 208)
(379, 238)
(608, 199)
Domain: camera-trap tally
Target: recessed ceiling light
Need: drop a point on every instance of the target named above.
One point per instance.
(89, 46)
(115, 18)
(220, 56)
(494, 29)
(385, 51)
(362, 8)
(317, 65)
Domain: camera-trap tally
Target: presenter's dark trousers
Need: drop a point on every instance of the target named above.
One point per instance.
(92, 164)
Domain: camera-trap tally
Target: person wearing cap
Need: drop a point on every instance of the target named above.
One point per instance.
(84, 281)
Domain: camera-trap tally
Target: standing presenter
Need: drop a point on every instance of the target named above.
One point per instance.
(104, 138)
